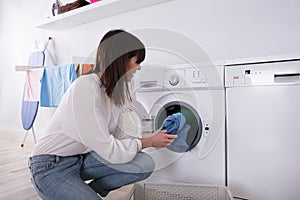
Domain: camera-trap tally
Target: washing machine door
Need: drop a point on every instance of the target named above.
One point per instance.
(191, 133)
(166, 105)
(149, 119)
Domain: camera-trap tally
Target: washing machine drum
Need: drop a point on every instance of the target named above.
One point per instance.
(190, 134)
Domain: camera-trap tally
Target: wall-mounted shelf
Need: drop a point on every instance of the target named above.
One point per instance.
(95, 11)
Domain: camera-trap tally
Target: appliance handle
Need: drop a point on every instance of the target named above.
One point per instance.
(287, 78)
(148, 84)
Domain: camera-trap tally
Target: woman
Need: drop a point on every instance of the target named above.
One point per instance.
(84, 153)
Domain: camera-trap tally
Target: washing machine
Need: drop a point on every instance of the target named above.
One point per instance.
(197, 92)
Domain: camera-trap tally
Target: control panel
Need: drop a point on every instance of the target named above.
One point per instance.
(180, 76)
(184, 78)
(273, 73)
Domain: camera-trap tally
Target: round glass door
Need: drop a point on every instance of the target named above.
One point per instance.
(192, 134)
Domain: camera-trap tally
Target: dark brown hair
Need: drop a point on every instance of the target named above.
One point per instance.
(114, 51)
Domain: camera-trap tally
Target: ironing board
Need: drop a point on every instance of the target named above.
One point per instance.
(30, 108)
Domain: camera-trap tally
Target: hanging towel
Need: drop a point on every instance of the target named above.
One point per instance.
(33, 85)
(54, 83)
(176, 124)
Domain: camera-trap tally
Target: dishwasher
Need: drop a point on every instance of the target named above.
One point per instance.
(263, 130)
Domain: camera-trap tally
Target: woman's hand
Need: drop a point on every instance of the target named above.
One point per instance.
(159, 139)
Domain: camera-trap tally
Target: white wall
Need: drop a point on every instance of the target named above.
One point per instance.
(225, 29)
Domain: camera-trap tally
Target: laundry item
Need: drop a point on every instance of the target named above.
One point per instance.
(33, 85)
(176, 124)
(173, 123)
(55, 82)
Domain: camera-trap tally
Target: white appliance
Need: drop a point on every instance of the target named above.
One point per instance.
(263, 130)
(198, 93)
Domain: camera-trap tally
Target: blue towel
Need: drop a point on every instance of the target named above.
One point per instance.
(54, 83)
(173, 123)
(176, 124)
(179, 144)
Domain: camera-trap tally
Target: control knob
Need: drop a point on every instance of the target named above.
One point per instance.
(174, 79)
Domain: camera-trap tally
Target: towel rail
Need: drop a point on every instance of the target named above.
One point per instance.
(25, 68)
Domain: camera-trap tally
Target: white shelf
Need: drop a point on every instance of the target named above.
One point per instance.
(95, 11)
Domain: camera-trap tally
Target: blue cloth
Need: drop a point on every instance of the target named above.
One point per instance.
(179, 144)
(173, 123)
(176, 124)
(54, 83)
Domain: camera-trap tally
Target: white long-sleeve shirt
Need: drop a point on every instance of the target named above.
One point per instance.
(86, 120)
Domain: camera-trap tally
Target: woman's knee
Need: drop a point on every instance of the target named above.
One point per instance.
(145, 162)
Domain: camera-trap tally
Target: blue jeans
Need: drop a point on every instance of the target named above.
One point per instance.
(57, 177)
